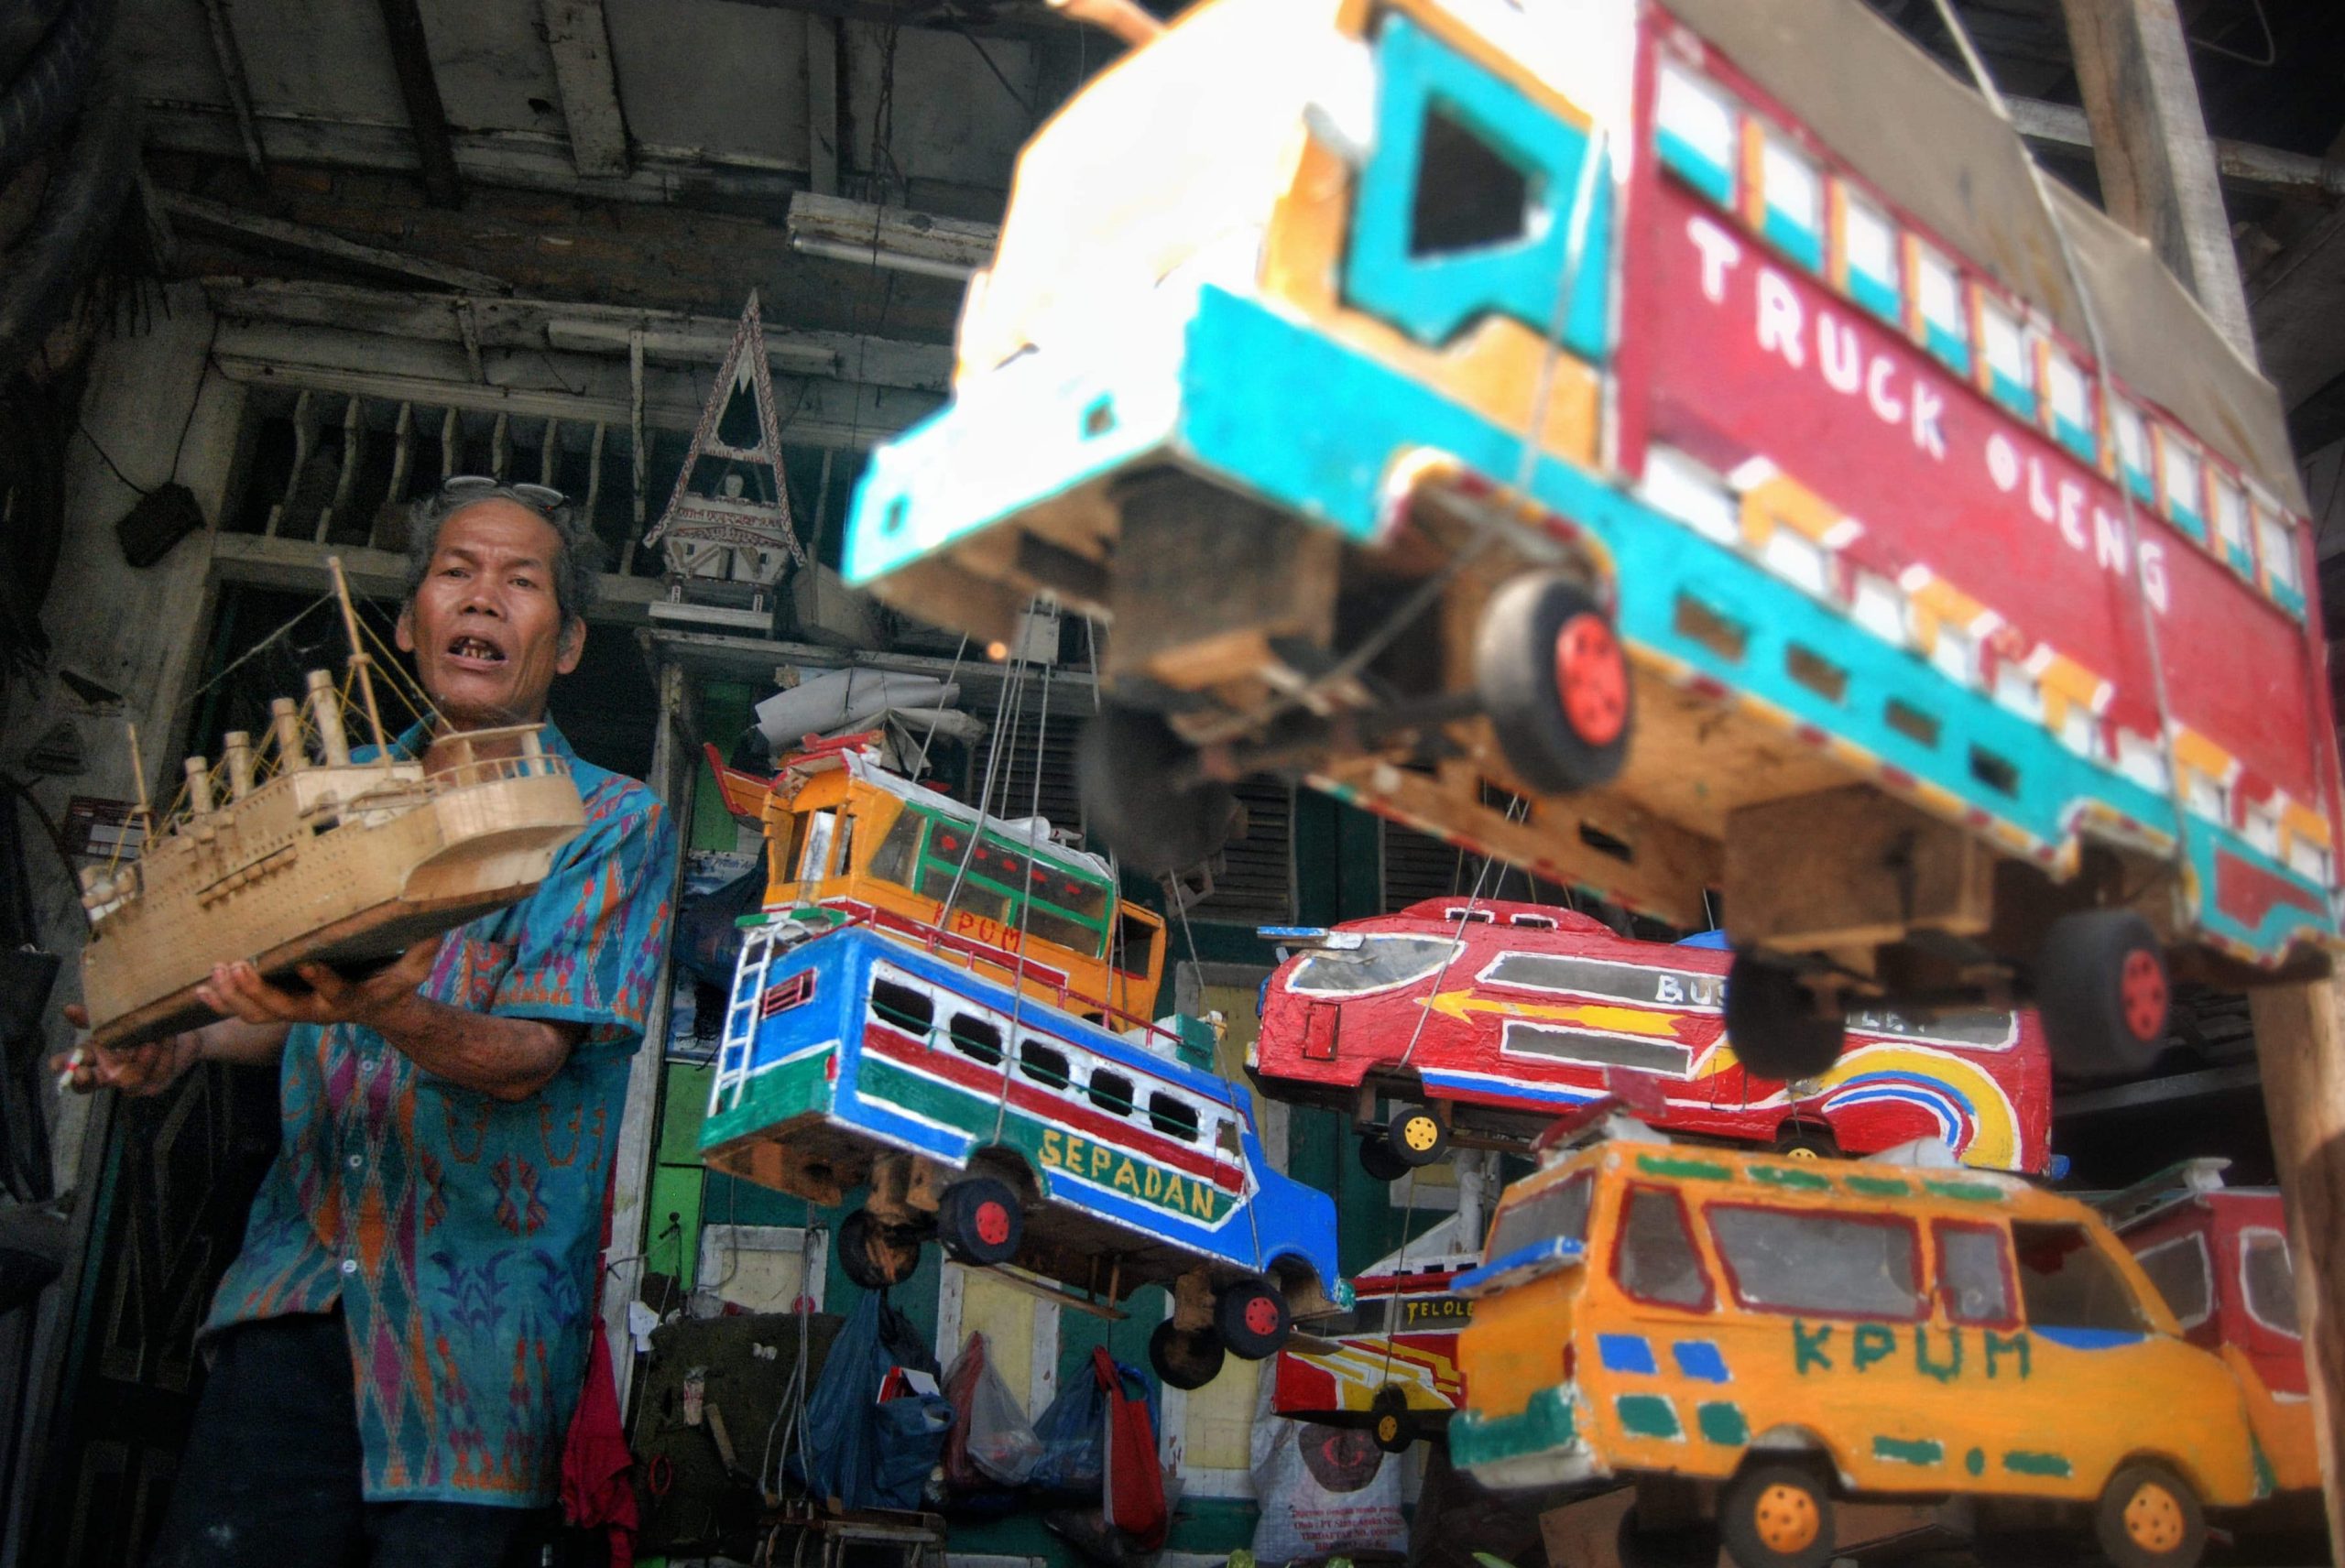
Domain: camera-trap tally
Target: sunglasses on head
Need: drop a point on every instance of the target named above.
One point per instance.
(544, 496)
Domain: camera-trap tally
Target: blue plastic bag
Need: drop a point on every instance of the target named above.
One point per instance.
(865, 1453)
(1074, 1434)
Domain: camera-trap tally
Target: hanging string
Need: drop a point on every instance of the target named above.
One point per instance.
(2105, 377)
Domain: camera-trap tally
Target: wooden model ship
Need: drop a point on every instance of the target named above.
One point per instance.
(314, 857)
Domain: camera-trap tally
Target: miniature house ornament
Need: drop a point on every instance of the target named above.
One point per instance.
(727, 534)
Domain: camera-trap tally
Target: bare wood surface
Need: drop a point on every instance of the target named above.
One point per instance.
(1851, 867)
(2150, 145)
(306, 240)
(580, 42)
(2300, 1040)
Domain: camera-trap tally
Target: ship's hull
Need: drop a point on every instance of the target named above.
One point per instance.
(352, 896)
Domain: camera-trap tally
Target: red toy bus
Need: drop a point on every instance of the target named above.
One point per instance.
(1485, 1021)
(2220, 1256)
(1390, 1363)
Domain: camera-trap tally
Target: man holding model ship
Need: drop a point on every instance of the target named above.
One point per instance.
(399, 1345)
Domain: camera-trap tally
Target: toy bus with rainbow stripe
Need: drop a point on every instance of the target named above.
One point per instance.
(1476, 1024)
(1677, 447)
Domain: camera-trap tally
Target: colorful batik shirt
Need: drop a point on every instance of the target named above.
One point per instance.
(457, 1233)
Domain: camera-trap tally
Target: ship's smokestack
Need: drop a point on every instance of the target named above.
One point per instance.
(325, 710)
(285, 723)
(238, 750)
(198, 785)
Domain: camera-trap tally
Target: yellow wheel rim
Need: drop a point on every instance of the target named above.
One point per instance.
(1419, 1134)
(1786, 1519)
(1388, 1428)
(1801, 1152)
(2154, 1519)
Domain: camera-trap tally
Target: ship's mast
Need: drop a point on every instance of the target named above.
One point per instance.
(360, 664)
(138, 778)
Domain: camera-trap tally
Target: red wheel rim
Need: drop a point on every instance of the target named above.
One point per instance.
(1593, 678)
(1262, 1316)
(2141, 990)
(993, 1224)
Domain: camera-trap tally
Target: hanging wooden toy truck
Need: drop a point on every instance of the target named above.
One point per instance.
(1751, 1340)
(1479, 1022)
(956, 1013)
(1664, 450)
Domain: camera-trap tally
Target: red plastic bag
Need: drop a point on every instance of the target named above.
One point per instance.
(1133, 1494)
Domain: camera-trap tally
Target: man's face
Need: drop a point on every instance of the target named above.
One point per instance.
(484, 628)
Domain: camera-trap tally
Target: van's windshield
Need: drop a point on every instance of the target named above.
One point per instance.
(1558, 1211)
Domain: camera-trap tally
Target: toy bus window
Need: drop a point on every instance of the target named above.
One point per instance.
(2206, 796)
(1974, 1278)
(2231, 524)
(898, 852)
(1654, 1259)
(2178, 478)
(1378, 961)
(2011, 366)
(1112, 1092)
(1791, 211)
(2269, 1281)
(1878, 605)
(2260, 820)
(1548, 1215)
(1468, 196)
(1536, 922)
(2069, 397)
(1694, 128)
(2065, 1281)
(2180, 1271)
(1956, 653)
(1043, 1065)
(1134, 937)
(1833, 1265)
(974, 897)
(975, 1038)
(822, 830)
(1462, 913)
(1940, 321)
(1227, 1137)
(2277, 541)
(2134, 451)
(1174, 1118)
(907, 1010)
(1869, 257)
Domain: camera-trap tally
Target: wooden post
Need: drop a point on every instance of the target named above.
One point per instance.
(2158, 178)
(633, 1162)
(2300, 1041)
(2157, 167)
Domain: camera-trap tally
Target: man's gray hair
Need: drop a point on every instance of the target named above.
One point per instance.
(576, 564)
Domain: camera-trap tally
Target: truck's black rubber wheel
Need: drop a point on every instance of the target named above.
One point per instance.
(1185, 1358)
(1775, 1024)
(980, 1221)
(2103, 992)
(2149, 1517)
(1776, 1516)
(871, 1254)
(1375, 1158)
(1123, 765)
(1251, 1317)
(1554, 680)
(1416, 1137)
(1388, 1422)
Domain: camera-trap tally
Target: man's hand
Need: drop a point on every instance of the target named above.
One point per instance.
(238, 990)
(147, 1069)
